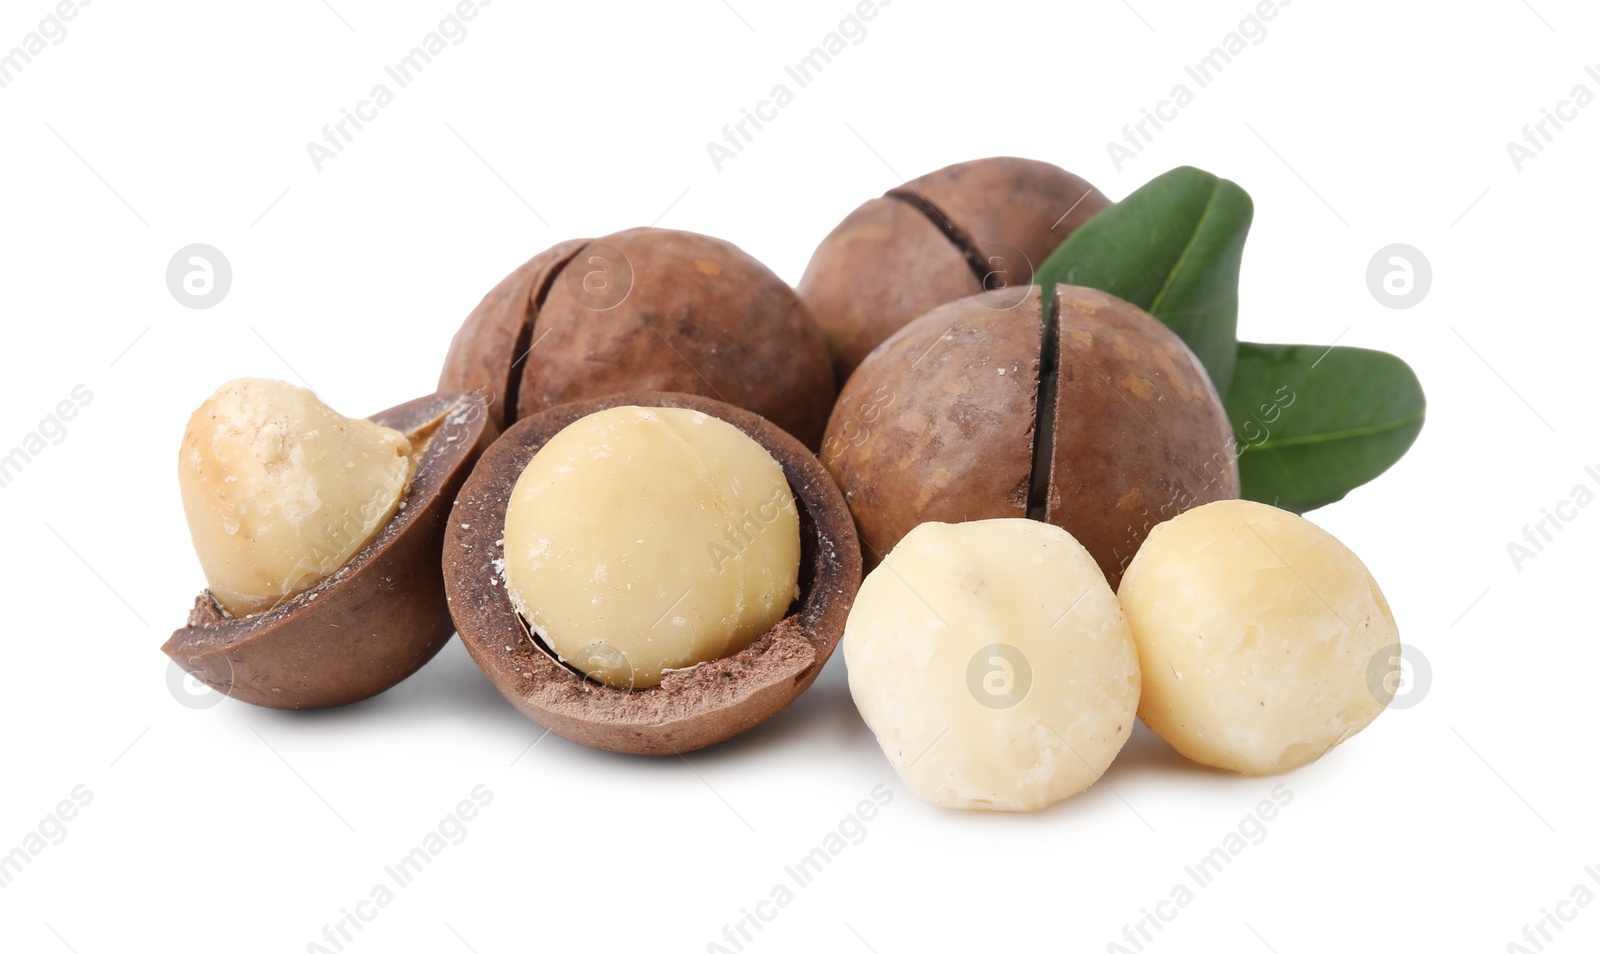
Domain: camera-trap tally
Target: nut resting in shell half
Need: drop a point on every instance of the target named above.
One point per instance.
(971, 227)
(1088, 414)
(359, 624)
(691, 706)
(642, 310)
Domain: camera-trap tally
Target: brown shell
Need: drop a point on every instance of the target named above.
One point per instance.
(702, 317)
(938, 423)
(1007, 205)
(489, 350)
(928, 429)
(984, 224)
(883, 237)
(380, 617)
(691, 708)
(1140, 435)
(647, 309)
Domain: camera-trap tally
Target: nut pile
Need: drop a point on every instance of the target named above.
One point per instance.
(1000, 672)
(637, 499)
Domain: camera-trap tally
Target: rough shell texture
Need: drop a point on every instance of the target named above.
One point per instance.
(691, 708)
(883, 237)
(965, 228)
(1141, 435)
(647, 309)
(939, 424)
(375, 621)
(487, 354)
(1010, 205)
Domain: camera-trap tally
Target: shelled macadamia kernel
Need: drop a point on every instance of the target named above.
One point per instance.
(281, 490)
(1259, 635)
(993, 664)
(640, 540)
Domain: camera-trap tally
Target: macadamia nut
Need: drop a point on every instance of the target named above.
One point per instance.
(1257, 631)
(640, 540)
(993, 664)
(281, 490)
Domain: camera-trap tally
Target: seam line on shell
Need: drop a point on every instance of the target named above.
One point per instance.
(523, 353)
(960, 239)
(1044, 406)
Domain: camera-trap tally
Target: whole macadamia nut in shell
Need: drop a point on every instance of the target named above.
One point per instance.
(993, 664)
(692, 707)
(645, 309)
(974, 226)
(941, 422)
(1264, 641)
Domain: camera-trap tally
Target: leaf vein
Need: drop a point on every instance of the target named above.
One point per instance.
(1382, 427)
(1194, 238)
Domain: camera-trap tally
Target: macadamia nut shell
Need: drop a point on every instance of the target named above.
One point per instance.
(966, 228)
(646, 310)
(374, 621)
(939, 423)
(691, 708)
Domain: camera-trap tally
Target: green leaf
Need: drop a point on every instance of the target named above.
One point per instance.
(1172, 248)
(1314, 423)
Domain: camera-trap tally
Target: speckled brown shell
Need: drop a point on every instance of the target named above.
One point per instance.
(855, 307)
(969, 227)
(1140, 435)
(1010, 204)
(489, 351)
(691, 708)
(375, 621)
(646, 309)
(939, 424)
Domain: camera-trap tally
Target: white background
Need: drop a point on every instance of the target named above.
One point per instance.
(1446, 826)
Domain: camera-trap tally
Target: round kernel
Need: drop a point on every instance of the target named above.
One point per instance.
(1258, 632)
(993, 664)
(641, 540)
